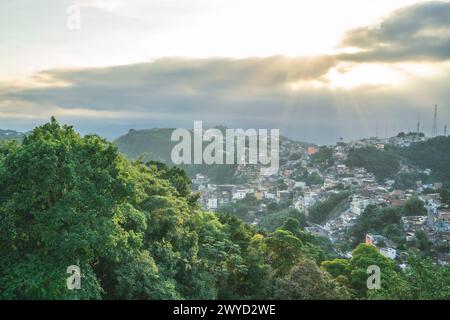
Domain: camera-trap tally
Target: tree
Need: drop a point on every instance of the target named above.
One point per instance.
(422, 280)
(337, 267)
(64, 205)
(364, 256)
(305, 281)
(445, 196)
(324, 157)
(283, 250)
(432, 154)
(422, 242)
(72, 200)
(382, 163)
(414, 207)
(314, 180)
(320, 212)
(292, 225)
(136, 232)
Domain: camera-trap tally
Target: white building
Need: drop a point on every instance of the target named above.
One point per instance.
(212, 204)
(306, 201)
(271, 196)
(239, 194)
(390, 253)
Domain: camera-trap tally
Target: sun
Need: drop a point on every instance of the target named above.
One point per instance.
(350, 77)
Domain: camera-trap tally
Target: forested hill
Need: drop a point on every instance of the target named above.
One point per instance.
(152, 144)
(155, 144)
(6, 135)
(432, 154)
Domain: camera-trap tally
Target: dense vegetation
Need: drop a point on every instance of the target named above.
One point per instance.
(432, 154)
(386, 221)
(155, 144)
(409, 180)
(323, 158)
(382, 163)
(422, 280)
(136, 232)
(321, 211)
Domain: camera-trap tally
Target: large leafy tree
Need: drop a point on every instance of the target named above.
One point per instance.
(364, 256)
(422, 280)
(63, 204)
(306, 281)
(72, 200)
(284, 250)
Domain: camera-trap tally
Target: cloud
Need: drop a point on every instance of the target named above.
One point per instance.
(294, 94)
(164, 84)
(417, 33)
(253, 92)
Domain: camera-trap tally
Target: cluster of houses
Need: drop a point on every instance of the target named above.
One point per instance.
(213, 196)
(296, 164)
(386, 246)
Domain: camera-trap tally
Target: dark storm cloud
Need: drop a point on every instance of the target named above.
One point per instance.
(416, 33)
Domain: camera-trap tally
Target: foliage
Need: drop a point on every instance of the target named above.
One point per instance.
(156, 145)
(72, 200)
(432, 154)
(445, 196)
(408, 180)
(382, 163)
(136, 232)
(314, 180)
(422, 280)
(306, 281)
(320, 212)
(363, 257)
(271, 221)
(386, 221)
(323, 158)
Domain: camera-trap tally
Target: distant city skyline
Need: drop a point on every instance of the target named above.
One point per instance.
(317, 70)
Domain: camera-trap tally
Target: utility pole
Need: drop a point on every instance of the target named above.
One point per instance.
(435, 130)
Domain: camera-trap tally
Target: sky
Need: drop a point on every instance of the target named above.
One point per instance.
(317, 70)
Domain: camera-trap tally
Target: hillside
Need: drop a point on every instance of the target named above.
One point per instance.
(6, 135)
(382, 163)
(432, 154)
(155, 144)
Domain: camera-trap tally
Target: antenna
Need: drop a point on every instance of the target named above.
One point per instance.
(418, 127)
(445, 130)
(435, 121)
